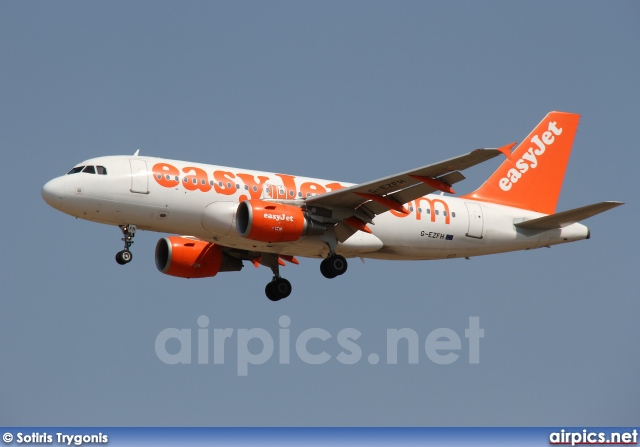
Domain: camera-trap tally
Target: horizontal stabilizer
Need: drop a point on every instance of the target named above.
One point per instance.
(565, 218)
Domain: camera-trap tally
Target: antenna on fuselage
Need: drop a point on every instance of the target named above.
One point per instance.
(137, 152)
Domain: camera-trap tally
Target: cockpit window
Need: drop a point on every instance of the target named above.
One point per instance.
(101, 170)
(89, 170)
(76, 170)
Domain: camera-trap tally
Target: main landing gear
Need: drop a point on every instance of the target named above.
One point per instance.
(125, 256)
(279, 287)
(332, 266)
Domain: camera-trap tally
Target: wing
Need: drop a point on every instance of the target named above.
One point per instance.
(355, 206)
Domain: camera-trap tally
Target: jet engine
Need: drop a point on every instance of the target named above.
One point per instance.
(192, 258)
(274, 222)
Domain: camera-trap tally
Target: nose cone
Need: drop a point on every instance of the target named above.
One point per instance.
(52, 192)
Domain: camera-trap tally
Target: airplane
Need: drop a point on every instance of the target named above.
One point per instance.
(226, 216)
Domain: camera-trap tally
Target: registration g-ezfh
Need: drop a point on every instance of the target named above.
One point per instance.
(227, 216)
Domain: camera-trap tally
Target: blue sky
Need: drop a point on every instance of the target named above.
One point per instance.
(349, 91)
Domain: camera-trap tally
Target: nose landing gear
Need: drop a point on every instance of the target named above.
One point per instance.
(125, 256)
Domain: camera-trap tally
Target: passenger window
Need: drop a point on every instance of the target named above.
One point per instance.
(89, 170)
(76, 170)
(291, 193)
(101, 170)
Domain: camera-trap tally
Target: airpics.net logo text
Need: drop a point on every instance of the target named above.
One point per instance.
(257, 346)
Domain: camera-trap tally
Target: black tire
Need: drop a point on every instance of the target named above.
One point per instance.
(278, 289)
(333, 266)
(282, 288)
(119, 259)
(124, 257)
(270, 292)
(325, 269)
(338, 264)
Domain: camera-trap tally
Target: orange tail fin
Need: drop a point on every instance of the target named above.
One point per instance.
(531, 177)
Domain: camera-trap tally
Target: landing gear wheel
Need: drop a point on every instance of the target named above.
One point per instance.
(333, 266)
(278, 289)
(324, 269)
(268, 290)
(124, 257)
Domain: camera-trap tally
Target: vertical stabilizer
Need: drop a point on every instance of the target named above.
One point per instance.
(531, 177)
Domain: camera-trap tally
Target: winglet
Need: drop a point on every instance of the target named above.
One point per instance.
(137, 153)
(506, 149)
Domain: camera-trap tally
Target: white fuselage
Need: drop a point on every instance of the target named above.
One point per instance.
(201, 200)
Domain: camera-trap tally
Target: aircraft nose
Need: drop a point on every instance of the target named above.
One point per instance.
(52, 192)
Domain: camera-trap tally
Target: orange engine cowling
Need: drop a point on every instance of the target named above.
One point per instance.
(192, 258)
(274, 222)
